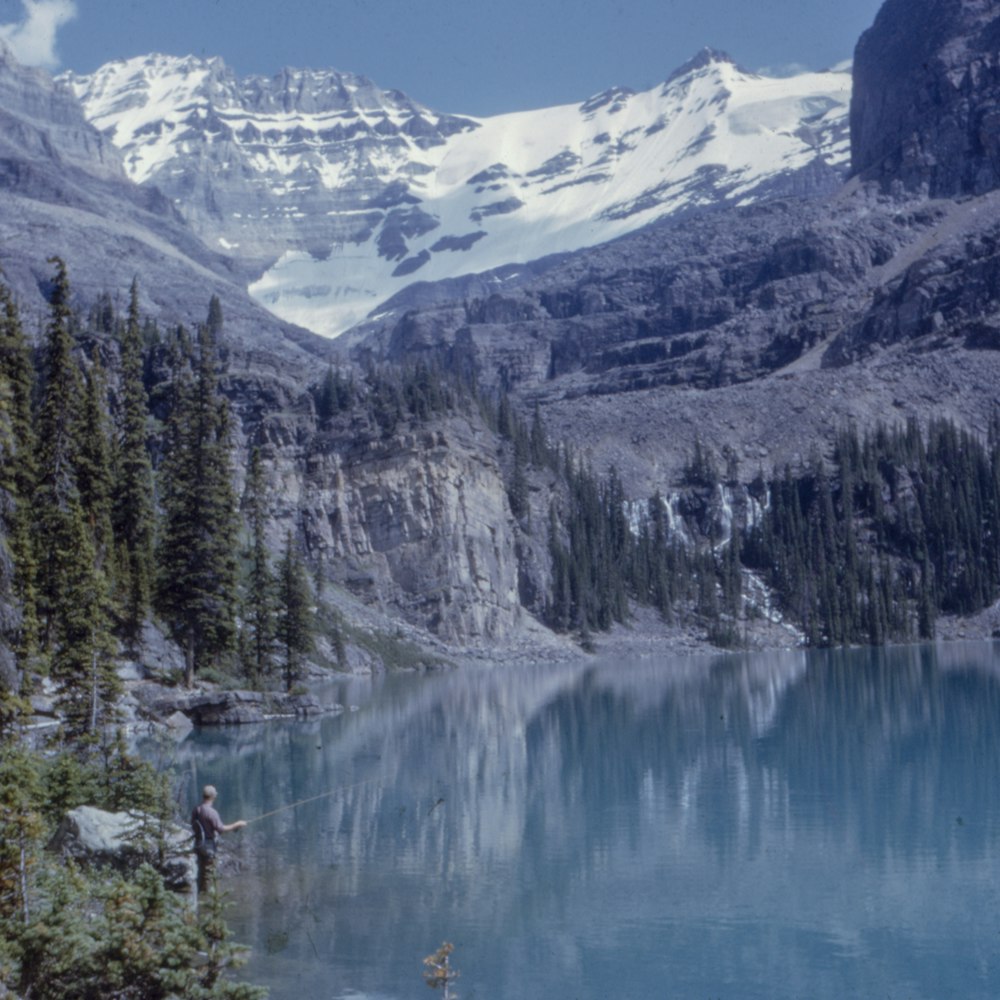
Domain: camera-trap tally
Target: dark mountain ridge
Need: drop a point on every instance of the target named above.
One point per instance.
(860, 306)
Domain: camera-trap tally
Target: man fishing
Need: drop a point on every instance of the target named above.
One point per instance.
(207, 824)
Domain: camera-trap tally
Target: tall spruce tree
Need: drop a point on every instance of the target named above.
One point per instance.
(93, 466)
(83, 650)
(71, 509)
(56, 498)
(294, 618)
(197, 568)
(19, 470)
(258, 602)
(133, 494)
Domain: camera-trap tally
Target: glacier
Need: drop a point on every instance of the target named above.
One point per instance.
(331, 195)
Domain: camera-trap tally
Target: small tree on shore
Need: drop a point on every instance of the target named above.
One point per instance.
(439, 973)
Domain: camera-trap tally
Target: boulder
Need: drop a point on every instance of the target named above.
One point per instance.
(179, 723)
(125, 840)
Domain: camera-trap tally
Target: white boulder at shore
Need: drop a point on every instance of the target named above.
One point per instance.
(125, 840)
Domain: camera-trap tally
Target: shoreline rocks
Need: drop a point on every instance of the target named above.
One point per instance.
(222, 708)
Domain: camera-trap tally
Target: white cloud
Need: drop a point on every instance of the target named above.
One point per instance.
(787, 69)
(33, 40)
(797, 68)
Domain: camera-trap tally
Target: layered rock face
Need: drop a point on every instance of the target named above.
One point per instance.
(718, 301)
(303, 160)
(418, 521)
(925, 112)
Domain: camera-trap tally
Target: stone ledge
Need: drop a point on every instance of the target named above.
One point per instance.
(222, 708)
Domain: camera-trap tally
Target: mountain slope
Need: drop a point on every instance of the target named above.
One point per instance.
(331, 195)
(66, 192)
(761, 329)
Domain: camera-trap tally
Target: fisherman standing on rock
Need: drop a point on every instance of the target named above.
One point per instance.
(207, 825)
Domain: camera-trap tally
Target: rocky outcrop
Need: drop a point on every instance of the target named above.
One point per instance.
(124, 841)
(417, 520)
(948, 296)
(925, 110)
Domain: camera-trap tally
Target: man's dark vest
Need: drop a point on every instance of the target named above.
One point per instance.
(205, 836)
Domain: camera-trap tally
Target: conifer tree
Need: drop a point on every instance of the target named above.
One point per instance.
(294, 618)
(258, 604)
(71, 515)
(82, 660)
(18, 470)
(133, 495)
(517, 490)
(334, 394)
(56, 498)
(93, 466)
(20, 846)
(83, 651)
(196, 584)
(537, 444)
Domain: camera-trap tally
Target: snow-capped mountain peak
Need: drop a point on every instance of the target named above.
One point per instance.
(334, 194)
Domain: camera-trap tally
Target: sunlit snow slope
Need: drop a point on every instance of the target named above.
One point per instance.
(333, 195)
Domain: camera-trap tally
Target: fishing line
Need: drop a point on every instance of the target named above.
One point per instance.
(313, 798)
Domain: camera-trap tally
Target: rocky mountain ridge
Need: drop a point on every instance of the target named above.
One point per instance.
(762, 328)
(331, 195)
(66, 192)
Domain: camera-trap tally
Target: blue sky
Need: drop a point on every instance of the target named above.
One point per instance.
(452, 55)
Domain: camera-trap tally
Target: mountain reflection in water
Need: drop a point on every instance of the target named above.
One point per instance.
(772, 825)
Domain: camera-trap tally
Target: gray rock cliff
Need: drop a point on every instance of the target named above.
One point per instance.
(925, 110)
(415, 521)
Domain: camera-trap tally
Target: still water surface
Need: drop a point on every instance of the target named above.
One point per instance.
(784, 825)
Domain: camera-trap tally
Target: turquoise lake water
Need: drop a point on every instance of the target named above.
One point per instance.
(786, 825)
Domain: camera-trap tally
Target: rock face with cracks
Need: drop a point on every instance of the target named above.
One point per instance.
(925, 111)
(417, 520)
